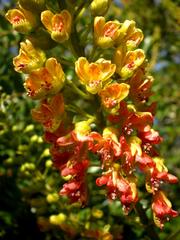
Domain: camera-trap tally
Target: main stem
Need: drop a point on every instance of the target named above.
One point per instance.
(149, 228)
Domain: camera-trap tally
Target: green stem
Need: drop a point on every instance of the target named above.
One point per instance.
(66, 62)
(73, 50)
(91, 57)
(174, 235)
(76, 109)
(149, 228)
(62, 4)
(77, 12)
(78, 91)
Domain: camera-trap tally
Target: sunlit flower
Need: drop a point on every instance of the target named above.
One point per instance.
(105, 33)
(157, 175)
(129, 35)
(45, 81)
(130, 120)
(94, 75)
(82, 130)
(128, 62)
(50, 113)
(59, 25)
(140, 90)
(162, 209)
(29, 58)
(113, 94)
(22, 20)
(106, 146)
(120, 187)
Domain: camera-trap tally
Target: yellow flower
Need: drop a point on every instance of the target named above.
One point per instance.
(128, 61)
(94, 75)
(59, 25)
(22, 20)
(113, 94)
(45, 81)
(105, 33)
(29, 58)
(129, 35)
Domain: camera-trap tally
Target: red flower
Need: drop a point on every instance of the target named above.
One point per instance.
(162, 210)
(149, 135)
(157, 175)
(119, 187)
(108, 148)
(130, 120)
(144, 162)
(76, 188)
(140, 89)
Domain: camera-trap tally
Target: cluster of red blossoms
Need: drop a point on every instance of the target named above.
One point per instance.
(119, 131)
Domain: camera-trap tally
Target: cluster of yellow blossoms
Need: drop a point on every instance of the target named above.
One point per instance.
(109, 117)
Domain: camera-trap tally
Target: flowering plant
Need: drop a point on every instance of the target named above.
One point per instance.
(102, 111)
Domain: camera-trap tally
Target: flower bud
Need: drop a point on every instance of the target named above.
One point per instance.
(100, 7)
(94, 75)
(59, 25)
(57, 219)
(22, 20)
(97, 213)
(45, 81)
(52, 197)
(49, 164)
(29, 58)
(33, 5)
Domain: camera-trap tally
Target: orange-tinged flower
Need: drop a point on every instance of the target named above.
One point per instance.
(50, 113)
(129, 35)
(128, 62)
(162, 209)
(140, 89)
(105, 33)
(113, 94)
(29, 58)
(119, 187)
(22, 20)
(45, 81)
(59, 25)
(94, 75)
(134, 39)
(157, 175)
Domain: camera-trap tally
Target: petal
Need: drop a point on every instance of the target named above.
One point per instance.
(46, 19)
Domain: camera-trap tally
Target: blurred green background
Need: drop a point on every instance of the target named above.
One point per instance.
(28, 182)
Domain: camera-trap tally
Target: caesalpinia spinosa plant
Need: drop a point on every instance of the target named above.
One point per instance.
(93, 101)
